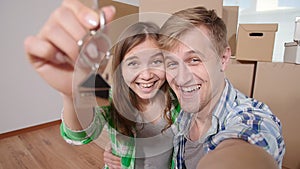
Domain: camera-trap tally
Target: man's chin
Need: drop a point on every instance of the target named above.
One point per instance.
(190, 105)
(189, 109)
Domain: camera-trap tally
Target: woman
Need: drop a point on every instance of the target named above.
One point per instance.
(55, 45)
(141, 106)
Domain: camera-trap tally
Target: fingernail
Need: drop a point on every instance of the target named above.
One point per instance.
(60, 57)
(112, 8)
(91, 19)
(92, 50)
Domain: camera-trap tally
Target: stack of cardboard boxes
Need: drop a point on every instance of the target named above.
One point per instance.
(276, 84)
(292, 49)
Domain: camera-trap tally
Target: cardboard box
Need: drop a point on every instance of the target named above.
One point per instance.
(122, 9)
(230, 17)
(171, 6)
(241, 74)
(277, 85)
(292, 52)
(256, 42)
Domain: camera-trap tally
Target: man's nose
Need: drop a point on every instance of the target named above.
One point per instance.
(183, 75)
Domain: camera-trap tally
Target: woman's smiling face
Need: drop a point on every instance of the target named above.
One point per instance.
(143, 69)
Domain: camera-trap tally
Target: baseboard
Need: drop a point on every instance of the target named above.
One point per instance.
(28, 129)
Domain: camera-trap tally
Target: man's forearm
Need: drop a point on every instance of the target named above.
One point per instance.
(237, 154)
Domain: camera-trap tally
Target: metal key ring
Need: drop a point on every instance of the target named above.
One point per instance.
(93, 32)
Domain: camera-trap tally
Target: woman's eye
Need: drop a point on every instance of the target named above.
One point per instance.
(171, 65)
(157, 62)
(132, 64)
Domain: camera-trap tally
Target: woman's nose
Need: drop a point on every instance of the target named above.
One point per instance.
(146, 74)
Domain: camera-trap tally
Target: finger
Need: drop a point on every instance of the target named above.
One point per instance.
(109, 12)
(113, 166)
(67, 20)
(111, 159)
(62, 40)
(87, 17)
(107, 147)
(40, 50)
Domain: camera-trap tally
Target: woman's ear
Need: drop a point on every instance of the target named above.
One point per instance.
(225, 58)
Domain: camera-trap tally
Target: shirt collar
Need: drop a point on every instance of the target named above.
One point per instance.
(219, 113)
(226, 101)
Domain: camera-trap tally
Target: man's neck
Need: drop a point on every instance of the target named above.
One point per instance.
(200, 124)
(202, 120)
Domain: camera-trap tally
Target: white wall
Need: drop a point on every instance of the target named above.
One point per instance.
(271, 11)
(286, 26)
(25, 99)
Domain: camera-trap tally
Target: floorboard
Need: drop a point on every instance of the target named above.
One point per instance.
(45, 149)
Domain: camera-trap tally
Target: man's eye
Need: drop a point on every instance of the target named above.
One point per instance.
(195, 60)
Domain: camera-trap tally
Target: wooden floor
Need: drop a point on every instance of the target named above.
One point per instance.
(45, 149)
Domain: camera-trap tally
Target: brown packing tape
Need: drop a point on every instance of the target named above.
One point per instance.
(260, 27)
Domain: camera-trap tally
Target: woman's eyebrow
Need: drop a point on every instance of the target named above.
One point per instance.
(168, 57)
(157, 54)
(133, 57)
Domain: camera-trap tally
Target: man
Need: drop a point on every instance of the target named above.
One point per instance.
(219, 122)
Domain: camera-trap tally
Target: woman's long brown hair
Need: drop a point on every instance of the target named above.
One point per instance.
(125, 106)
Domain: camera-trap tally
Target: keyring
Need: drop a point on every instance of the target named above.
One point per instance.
(94, 53)
(100, 39)
(93, 32)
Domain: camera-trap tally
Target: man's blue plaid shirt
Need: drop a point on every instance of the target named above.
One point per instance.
(235, 116)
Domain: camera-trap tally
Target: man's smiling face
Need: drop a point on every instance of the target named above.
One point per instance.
(193, 70)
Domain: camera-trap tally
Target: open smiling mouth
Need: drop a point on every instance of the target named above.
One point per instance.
(190, 89)
(146, 85)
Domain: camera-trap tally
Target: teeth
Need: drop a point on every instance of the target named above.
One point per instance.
(190, 88)
(146, 85)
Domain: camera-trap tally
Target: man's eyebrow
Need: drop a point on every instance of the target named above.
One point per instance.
(190, 52)
(195, 52)
(186, 54)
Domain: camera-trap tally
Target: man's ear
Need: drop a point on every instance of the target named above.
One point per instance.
(225, 58)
